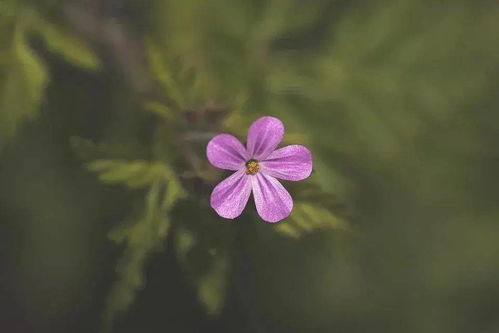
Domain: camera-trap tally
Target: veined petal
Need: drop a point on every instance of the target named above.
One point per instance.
(273, 202)
(290, 163)
(230, 196)
(225, 151)
(263, 137)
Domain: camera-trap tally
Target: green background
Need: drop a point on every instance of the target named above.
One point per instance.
(105, 111)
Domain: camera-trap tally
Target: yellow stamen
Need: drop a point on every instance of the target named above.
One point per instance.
(252, 167)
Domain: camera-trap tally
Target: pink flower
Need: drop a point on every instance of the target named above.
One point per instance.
(257, 166)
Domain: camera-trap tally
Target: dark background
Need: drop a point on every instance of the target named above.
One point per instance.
(397, 100)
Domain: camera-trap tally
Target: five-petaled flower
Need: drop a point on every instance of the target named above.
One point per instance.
(257, 166)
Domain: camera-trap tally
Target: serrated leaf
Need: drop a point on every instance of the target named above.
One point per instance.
(144, 234)
(133, 174)
(308, 217)
(142, 237)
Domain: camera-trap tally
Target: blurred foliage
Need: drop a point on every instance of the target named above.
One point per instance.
(205, 252)
(397, 100)
(69, 45)
(23, 74)
(144, 234)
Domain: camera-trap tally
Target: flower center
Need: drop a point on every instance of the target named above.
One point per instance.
(252, 167)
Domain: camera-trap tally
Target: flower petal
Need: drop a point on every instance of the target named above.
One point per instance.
(273, 202)
(230, 196)
(290, 163)
(225, 151)
(263, 137)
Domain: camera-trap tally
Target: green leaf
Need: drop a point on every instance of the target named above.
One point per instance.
(22, 86)
(88, 150)
(160, 110)
(204, 248)
(133, 174)
(213, 285)
(142, 237)
(307, 218)
(207, 264)
(143, 234)
(314, 210)
(70, 45)
(160, 70)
